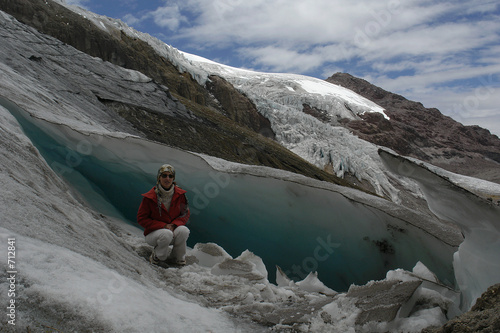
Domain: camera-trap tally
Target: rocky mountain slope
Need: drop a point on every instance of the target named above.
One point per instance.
(424, 133)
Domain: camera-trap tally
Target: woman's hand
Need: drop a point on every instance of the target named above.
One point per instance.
(170, 227)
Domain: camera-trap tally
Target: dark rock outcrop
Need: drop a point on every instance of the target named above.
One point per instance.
(57, 21)
(424, 133)
(238, 107)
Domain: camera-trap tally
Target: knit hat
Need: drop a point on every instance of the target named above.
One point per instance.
(164, 168)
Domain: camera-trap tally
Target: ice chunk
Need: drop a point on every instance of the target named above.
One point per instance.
(339, 315)
(282, 279)
(400, 275)
(381, 300)
(423, 272)
(312, 284)
(247, 265)
(209, 254)
(254, 259)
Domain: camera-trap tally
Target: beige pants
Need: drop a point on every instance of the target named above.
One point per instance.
(161, 240)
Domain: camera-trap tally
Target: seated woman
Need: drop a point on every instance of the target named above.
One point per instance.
(163, 214)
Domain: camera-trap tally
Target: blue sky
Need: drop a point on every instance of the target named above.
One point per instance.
(445, 54)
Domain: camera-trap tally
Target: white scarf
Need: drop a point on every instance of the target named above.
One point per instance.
(166, 195)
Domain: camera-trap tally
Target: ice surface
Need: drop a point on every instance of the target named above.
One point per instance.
(111, 166)
(81, 287)
(334, 231)
(476, 263)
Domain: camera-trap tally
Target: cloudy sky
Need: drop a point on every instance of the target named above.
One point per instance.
(445, 54)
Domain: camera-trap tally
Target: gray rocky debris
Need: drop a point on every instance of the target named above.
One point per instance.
(381, 300)
(484, 316)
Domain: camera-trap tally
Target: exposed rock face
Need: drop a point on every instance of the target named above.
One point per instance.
(238, 107)
(483, 317)
(65, 76)
(317, 113)
(55, 20)
(426, 134)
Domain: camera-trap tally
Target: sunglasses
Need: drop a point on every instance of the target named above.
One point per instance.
(165, 176)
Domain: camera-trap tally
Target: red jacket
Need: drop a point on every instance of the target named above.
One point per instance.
(149, 216)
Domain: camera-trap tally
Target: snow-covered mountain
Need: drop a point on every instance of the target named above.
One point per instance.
(76, 155)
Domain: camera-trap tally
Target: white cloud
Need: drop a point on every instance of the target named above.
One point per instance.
(413, 27)
(368, 30)
(282, 59)
(131, 19)
(79, 3)
(445, 39)
(168, 17)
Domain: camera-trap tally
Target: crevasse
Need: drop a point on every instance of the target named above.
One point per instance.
(300, 224)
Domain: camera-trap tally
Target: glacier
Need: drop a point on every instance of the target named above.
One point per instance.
(296, 223)
(63, 226)
(475, 263)
(74, 223)
(280, 97)
(71, 178)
